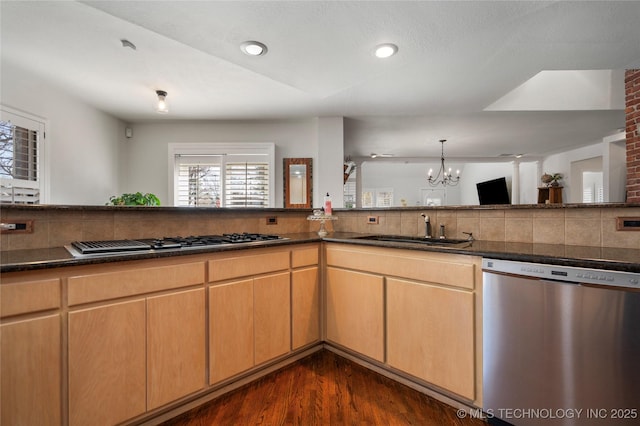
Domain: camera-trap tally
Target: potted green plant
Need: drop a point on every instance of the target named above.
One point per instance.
(551, 179)
(137, 199)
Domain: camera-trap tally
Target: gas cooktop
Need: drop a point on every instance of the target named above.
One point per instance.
(113, 247)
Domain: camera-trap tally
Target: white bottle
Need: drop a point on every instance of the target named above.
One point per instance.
(327, 204)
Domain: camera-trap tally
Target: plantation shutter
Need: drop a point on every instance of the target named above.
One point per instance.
(199, 180)
(20, 174)
(222, 174)
(246, 184)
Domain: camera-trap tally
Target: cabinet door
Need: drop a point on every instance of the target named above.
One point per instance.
(355, 311)
(272, 316)
(107, 361)
(305, 305)
(31, 376)
(430, 333)
(230, 329)
(175, 346)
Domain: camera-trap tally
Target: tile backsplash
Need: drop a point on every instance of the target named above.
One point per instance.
(593, 226)
(588, 226)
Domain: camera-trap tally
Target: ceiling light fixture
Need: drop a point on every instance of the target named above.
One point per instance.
(253, 48)
(386, 50)
(374, 155)
(162, 106)
(447, 178)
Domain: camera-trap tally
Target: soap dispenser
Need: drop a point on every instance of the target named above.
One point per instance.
(327, 204)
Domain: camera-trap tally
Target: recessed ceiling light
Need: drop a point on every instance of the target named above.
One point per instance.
(386, 50)
(253, 48)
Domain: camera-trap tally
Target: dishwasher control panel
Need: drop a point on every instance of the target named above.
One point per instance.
(563, 273)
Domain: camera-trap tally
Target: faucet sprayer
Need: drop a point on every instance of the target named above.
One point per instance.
(427, 226)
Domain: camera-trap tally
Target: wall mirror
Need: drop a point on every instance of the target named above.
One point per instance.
(297, 183)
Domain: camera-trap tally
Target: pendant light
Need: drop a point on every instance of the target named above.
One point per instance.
(162, 107)
(444, 176)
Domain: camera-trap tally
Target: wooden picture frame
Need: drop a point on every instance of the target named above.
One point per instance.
(297, 173)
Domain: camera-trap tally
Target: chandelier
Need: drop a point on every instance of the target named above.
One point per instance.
(447, 178)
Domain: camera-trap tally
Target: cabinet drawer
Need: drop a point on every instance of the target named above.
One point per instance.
(243, 266)
(304, 257)
(439, 268)
(30, 296)
(129, 282)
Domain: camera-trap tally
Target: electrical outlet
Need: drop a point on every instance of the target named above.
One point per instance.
(17, 227)
(373, 220)
(628, 224)
(272, 220)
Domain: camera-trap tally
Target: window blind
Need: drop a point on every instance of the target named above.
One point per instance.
(246, 184)
(19, 164)
(222, 174)
(219, 180)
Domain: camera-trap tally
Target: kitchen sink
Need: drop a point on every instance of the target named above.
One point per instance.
(441, 242)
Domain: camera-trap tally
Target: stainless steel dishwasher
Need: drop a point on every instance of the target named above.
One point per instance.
(561, 345)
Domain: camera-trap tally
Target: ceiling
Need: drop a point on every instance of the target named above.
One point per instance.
(456, 62)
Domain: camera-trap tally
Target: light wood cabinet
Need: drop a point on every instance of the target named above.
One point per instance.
(107, 360)
(130, 357)
(231, 343)
(30, 361)
(430, 334)
(30, 351)
(305, 296)
(249, 324)
(355, 311)
(428, 302)
(272, 316)
(122, 341)
(305, 307)
(251, 309)
(175, 346)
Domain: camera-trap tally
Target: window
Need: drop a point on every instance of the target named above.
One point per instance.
(21, 159)
(377, 197)
(198, 181)
(349, 191)
(222, 175)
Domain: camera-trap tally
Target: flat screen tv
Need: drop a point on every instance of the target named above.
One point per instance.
(493, 192)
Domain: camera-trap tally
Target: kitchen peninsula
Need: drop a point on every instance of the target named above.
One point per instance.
(284, 299)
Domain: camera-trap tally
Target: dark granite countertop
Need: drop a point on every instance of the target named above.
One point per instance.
(610, 258)
(26, 260)
(618, 259)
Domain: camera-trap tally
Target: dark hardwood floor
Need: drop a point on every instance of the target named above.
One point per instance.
(323, 389)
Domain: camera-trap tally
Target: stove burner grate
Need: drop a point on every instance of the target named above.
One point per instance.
(167, 243)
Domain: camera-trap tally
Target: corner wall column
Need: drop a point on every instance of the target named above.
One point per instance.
(632, 111)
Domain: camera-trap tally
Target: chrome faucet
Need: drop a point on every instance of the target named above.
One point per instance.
(442, 236)
(427, 226)
(470, 236)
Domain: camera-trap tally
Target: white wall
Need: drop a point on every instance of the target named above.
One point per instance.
(561, 163)
(147, 150)
(408, 179)
(84, 144)
(328, 172)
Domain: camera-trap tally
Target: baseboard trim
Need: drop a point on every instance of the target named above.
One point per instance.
(383, 371)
